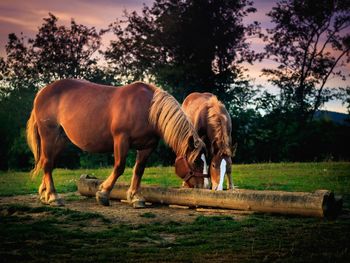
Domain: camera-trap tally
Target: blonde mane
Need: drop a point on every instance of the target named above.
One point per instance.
(166, 114)
(216, 120)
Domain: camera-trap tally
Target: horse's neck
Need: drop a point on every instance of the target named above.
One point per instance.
(218, 133)
(207, 134)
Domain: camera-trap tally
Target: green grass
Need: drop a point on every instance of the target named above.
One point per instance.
(64, 235)
(15, 183)
(307, 177)
(60, 235)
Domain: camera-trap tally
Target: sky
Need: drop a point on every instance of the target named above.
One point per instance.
(18, 16)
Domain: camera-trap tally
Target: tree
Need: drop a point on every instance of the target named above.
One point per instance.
(62, 52)
(56, 52)
(17, 85)
(185, 45)
(344, 95)
(310, 43)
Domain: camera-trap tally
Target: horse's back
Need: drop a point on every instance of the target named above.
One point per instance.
(71, 96)
(92, 114)
(198, 106)
(195, 106)
(196, 98)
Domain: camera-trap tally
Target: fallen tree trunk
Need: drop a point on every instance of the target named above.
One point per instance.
(321, 203)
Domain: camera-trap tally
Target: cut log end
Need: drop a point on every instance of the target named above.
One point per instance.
(332, 206)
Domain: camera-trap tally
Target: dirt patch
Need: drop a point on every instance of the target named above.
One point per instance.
(123, 213)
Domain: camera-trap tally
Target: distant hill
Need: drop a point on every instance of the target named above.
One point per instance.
(336, 117)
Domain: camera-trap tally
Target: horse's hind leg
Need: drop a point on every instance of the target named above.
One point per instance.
(121, 147)
(52, 143)
(133, 194)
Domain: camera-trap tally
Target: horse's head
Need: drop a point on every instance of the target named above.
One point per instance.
(192, 168)
(220, 165)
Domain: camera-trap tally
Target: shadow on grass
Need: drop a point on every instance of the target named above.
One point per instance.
(58, 234)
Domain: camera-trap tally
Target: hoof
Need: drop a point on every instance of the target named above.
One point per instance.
(53, 201)
(56, 202)
(102, 198)
(42, 199)
(136, 200)
(138, 204)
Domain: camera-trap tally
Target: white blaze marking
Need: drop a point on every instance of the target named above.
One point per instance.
(205, 166)
(205, 171)
(222, 175)
(206, 183)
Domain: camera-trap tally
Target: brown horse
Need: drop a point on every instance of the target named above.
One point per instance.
(213, 124)
(99, 118)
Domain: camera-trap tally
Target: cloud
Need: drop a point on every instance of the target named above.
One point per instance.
(14, 21)
(18, 16)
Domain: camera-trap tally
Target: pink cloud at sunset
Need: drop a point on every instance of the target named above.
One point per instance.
(18, 16)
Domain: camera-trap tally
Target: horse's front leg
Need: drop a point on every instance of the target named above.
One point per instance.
(230, 185)
(121, 147)
(134, 192)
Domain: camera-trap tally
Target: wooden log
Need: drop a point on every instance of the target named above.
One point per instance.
(320, 203)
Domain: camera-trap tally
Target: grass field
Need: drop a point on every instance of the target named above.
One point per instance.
(271, 176)
(60, 234)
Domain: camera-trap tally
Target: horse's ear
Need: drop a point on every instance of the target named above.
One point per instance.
(234, 149)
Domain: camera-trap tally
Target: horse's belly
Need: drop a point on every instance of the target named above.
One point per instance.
(96, 147)
(144, 142)
(91, 141)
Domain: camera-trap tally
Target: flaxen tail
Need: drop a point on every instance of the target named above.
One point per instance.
(33, 140)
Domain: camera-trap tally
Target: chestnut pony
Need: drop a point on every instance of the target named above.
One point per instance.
(213, 124)
(99, 118)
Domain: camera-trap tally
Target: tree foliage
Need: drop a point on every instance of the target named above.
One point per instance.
(65, 52)
(56, 52)
(310, 43)
(185, 45)
(345, 97)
